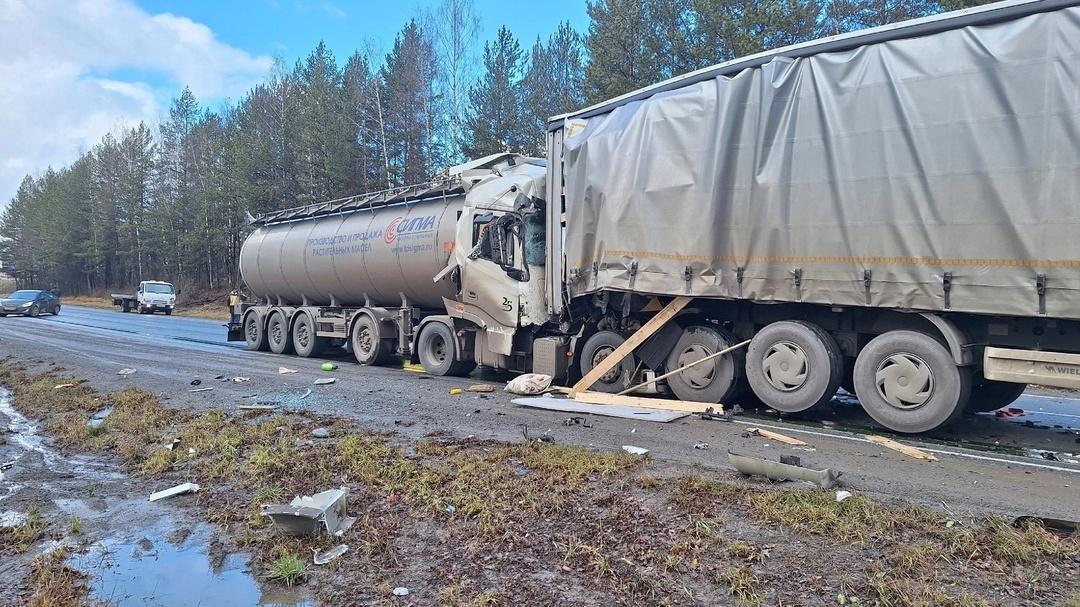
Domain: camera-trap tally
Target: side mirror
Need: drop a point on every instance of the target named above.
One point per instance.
(516, 273)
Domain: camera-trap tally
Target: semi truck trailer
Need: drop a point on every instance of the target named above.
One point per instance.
(893, 211)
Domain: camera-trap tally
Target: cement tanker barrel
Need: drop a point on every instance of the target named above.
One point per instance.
(381, 253)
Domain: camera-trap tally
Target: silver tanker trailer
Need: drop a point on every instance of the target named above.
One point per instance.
(894, 211)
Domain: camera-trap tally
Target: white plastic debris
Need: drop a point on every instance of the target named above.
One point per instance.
(240, 380)
(324, 557)
(126, 371)
(284, 370)
(632, 450)
(324, 381)
(172, 491)
(401, 591)
(701, 446)
(529, 383)
(842, 495)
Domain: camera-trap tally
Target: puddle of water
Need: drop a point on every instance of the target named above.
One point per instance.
(23, 431)
(128, 573)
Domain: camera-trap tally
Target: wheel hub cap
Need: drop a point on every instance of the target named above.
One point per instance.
(786, 366)
(438, 349)
(599, 357)
(905, 381)
(698, 376)
(363, 339)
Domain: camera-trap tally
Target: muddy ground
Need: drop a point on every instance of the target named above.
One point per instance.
(456, 520)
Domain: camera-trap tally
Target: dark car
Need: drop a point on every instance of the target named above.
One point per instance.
(30, 303)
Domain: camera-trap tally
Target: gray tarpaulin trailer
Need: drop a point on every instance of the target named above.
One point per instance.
(893, 211)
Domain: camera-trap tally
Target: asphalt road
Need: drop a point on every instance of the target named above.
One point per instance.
(985, 464)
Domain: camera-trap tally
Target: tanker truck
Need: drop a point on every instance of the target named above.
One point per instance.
(893, 211)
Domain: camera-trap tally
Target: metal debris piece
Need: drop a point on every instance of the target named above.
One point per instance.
(256, 407)
(306, 394)
(7, 465)
(125, 371)
(306, 514)
(61, 386)
(98, 418)
(632, 450)
(325, 381)
(240, 380)
(577, 420)
(172, 444)
(207, 389)
(791, 460)
(177, 490)
(481, 388)
(775, 471)
(710, 414)
(1053, 524)
(842, 495)
(701, 446)
(196, 382)
(285, 370)
(324, 557)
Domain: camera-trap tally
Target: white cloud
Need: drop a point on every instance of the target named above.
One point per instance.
(71, 71)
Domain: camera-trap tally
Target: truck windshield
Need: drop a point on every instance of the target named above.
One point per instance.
(167, 289)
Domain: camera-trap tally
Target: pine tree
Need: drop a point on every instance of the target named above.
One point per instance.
(495, 118)
(619, 60)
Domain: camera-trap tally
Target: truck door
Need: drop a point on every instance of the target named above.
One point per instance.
(491, 275)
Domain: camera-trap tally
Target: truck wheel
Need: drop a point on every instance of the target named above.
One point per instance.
(125, 307)
(992, 395)
(367, 345)
(597, 348)
(254, 333)
(437, 353)
(277, 334)
(794, 365)
(168, 312)
(907, 381)
(305, 341)
(714, 381)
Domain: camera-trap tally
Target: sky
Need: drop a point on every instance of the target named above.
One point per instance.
(73, 70)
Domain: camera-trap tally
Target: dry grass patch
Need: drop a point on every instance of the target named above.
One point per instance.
(55, 583)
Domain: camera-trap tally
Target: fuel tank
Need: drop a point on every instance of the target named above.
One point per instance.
(380, 252)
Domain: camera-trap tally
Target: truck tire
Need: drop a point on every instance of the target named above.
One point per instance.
(794, 365)
(168, 312)
(908, 382)
(125, 307)
(255, 333)
(277, 334)
(596, 349)
(437, 352)
(992, 395)
(367, 344)
(714, 381)
(304, 339)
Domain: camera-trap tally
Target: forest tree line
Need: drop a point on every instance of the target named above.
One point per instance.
(170, 201)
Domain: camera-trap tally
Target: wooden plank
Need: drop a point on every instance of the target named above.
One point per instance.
(685, 367)
(776, 436)
(639, 336)
(902, 448)
(686, 406)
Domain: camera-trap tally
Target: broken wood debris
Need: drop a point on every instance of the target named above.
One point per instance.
(902, 448)
(776, 436)
(603, 398)
(481, 388)
(639, 336)
(685, 367)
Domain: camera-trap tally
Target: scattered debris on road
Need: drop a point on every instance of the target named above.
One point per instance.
(701, 446)
(455, 391)
(62, 386)
(207, 389)
(320, 433)
(180, 489)
(776, 471)
(401, 591)
(240, 380)
(632, 450)
(306, 514)
(324, 557)
(256, 407)
(529, 384)
(328, 367)
(776, 436)
(325, 381)
(567, 405)
(196, 382)
(481, 388)
(171, 445)
(725, 415)
(285, 370)
(125, 371)
(842, 495)
(902, 448)
(546, 438)
(98, 418)
(306, 394)
(577, 421)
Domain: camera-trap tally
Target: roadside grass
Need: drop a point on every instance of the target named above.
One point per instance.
(20, 538)
(603, 518)
(55, 583)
